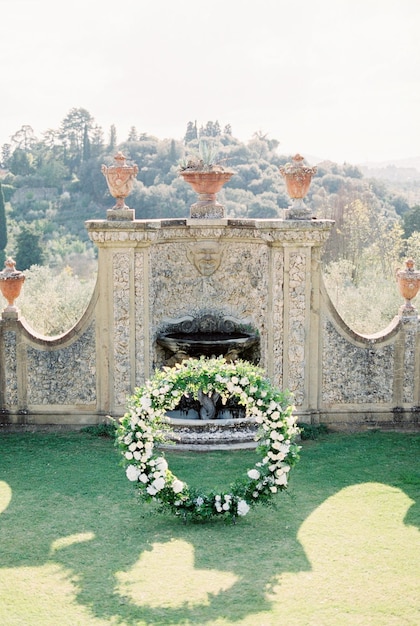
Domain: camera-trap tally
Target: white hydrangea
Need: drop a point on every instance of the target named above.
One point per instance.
(243, 507)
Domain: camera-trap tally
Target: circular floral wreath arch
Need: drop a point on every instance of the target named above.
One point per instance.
(145, 424)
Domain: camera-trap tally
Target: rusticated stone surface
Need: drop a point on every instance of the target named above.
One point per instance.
(355, 374)
(10, 369)
(121, 370)
(63, 376)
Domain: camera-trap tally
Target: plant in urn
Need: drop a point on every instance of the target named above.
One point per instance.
(408, 284)
(297, 177)
(120, 179)
(11, 281)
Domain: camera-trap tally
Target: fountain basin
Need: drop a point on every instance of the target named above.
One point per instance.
(220, 434)
(207, 344)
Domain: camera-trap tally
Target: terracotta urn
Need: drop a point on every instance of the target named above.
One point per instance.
(11, 281)
(206, 184)
(408, 284)
(297, 177)
(120, 179)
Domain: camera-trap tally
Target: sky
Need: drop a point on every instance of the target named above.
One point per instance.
(334, 79)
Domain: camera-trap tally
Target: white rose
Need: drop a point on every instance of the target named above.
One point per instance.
(281, 480)
(132, 473)
(243, 507)
(132, 446)
(158, 483)
(161, 464)
(145, 402)
(177, 486)
(143, 478)
(151, 490)
(128, 456)
(253, 474)
(137, 455)
(226, 506)
(273, 489)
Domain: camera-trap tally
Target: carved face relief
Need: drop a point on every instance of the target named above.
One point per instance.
(205, 256)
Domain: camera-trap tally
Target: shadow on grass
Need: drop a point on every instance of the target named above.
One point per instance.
(72, 505)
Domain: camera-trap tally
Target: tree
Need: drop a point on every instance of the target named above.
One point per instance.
(28, 249)
(6, 153)
(191, 132)
(411, 221)
(3, 230)
(21, 163)
(112, 138)
(75, 126)
(132, 135)
(24, 138)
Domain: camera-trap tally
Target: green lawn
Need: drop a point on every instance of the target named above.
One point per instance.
(341, 548)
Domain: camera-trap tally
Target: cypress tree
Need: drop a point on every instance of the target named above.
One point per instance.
(3, 230)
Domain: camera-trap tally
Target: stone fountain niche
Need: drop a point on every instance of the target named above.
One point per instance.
(209, 335)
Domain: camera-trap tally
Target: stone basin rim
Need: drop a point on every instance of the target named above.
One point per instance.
(176, 421)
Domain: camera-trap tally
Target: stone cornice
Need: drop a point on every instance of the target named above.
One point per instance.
(305, 232)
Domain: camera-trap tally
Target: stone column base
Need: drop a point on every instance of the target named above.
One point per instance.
(120, 215)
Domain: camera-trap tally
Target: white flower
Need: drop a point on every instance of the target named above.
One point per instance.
(253, 474)
(132, 446)
(137, 455)
(244, 381)
(281, 480)
(235, 380)
(199, 501)
(273, 489)
(143, 478)
(161, 464)
(275, 415)
(145, 402)
(151, 490)
(132, 473)
(128, 456)
(177, 486)
(243, 507)
(226, 506)
(127, 439)
(255, 494)
(158, 483)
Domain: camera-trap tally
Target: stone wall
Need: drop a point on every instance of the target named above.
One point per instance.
(264, 274)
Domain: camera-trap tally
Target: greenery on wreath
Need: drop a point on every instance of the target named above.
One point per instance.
(145, 425)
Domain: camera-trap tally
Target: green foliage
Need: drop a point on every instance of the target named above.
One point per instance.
(411, 221)
(105, 429)
(3, 226)
(52, 302)
(28, 249)
(312, 431)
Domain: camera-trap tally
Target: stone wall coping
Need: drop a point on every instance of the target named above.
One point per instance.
(181, 223)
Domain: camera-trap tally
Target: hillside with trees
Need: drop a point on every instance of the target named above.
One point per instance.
(51, 185)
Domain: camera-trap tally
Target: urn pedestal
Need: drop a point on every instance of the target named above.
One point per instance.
(297, 177)
(408, 284)
(206, 185)
(11, 281)
(120, 179)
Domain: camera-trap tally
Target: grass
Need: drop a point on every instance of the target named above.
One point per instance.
(341, 548)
